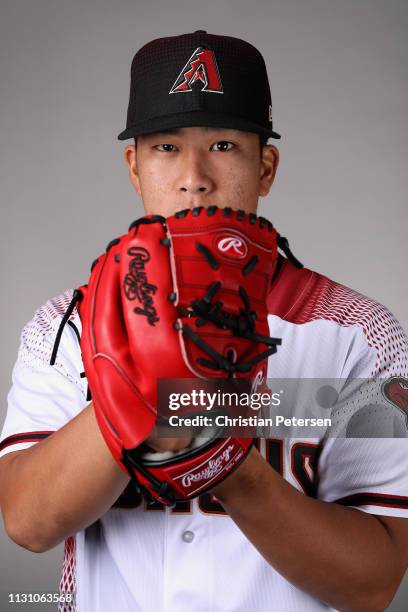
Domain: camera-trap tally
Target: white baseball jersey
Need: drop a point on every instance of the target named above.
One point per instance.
(193, 557)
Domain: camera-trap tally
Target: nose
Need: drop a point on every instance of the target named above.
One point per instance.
(194, 176)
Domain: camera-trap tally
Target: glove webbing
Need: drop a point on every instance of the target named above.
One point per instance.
(241, 325)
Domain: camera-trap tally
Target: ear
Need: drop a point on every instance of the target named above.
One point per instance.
(131, 162)
(268, 167)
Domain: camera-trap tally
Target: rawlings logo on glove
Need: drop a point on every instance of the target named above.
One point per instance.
(213, 468)
(136, 284)
(232, 246)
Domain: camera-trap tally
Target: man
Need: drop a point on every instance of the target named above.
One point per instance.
(301, 524)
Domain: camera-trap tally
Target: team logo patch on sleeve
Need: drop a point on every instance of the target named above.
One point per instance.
(395, 391)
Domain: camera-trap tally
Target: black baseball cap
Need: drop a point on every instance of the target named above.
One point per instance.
(198, 79)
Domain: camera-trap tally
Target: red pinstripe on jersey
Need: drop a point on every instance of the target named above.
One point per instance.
(29, 436)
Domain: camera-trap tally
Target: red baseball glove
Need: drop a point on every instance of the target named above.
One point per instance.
(176, 298)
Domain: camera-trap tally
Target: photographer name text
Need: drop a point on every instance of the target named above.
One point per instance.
(223, 420)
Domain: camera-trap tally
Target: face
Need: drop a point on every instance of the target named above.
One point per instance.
(199, 166)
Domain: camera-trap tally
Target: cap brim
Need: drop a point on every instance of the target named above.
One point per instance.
(195, 119)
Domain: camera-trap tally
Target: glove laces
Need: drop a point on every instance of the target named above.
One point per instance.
(241, 325)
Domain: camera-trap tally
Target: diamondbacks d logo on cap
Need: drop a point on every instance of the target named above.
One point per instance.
(202, 66)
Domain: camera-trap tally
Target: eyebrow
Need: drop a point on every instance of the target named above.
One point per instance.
(170, 131)
(175, 131)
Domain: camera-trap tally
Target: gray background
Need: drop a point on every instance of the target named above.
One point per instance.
(339, 85)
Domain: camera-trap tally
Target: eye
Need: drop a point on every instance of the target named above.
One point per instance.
(223, 145)
(166, 147)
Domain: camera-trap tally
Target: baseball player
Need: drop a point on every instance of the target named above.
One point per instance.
(282, 522)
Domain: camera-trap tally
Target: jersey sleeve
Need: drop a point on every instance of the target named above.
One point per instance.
(364, 464)
(44, 397)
